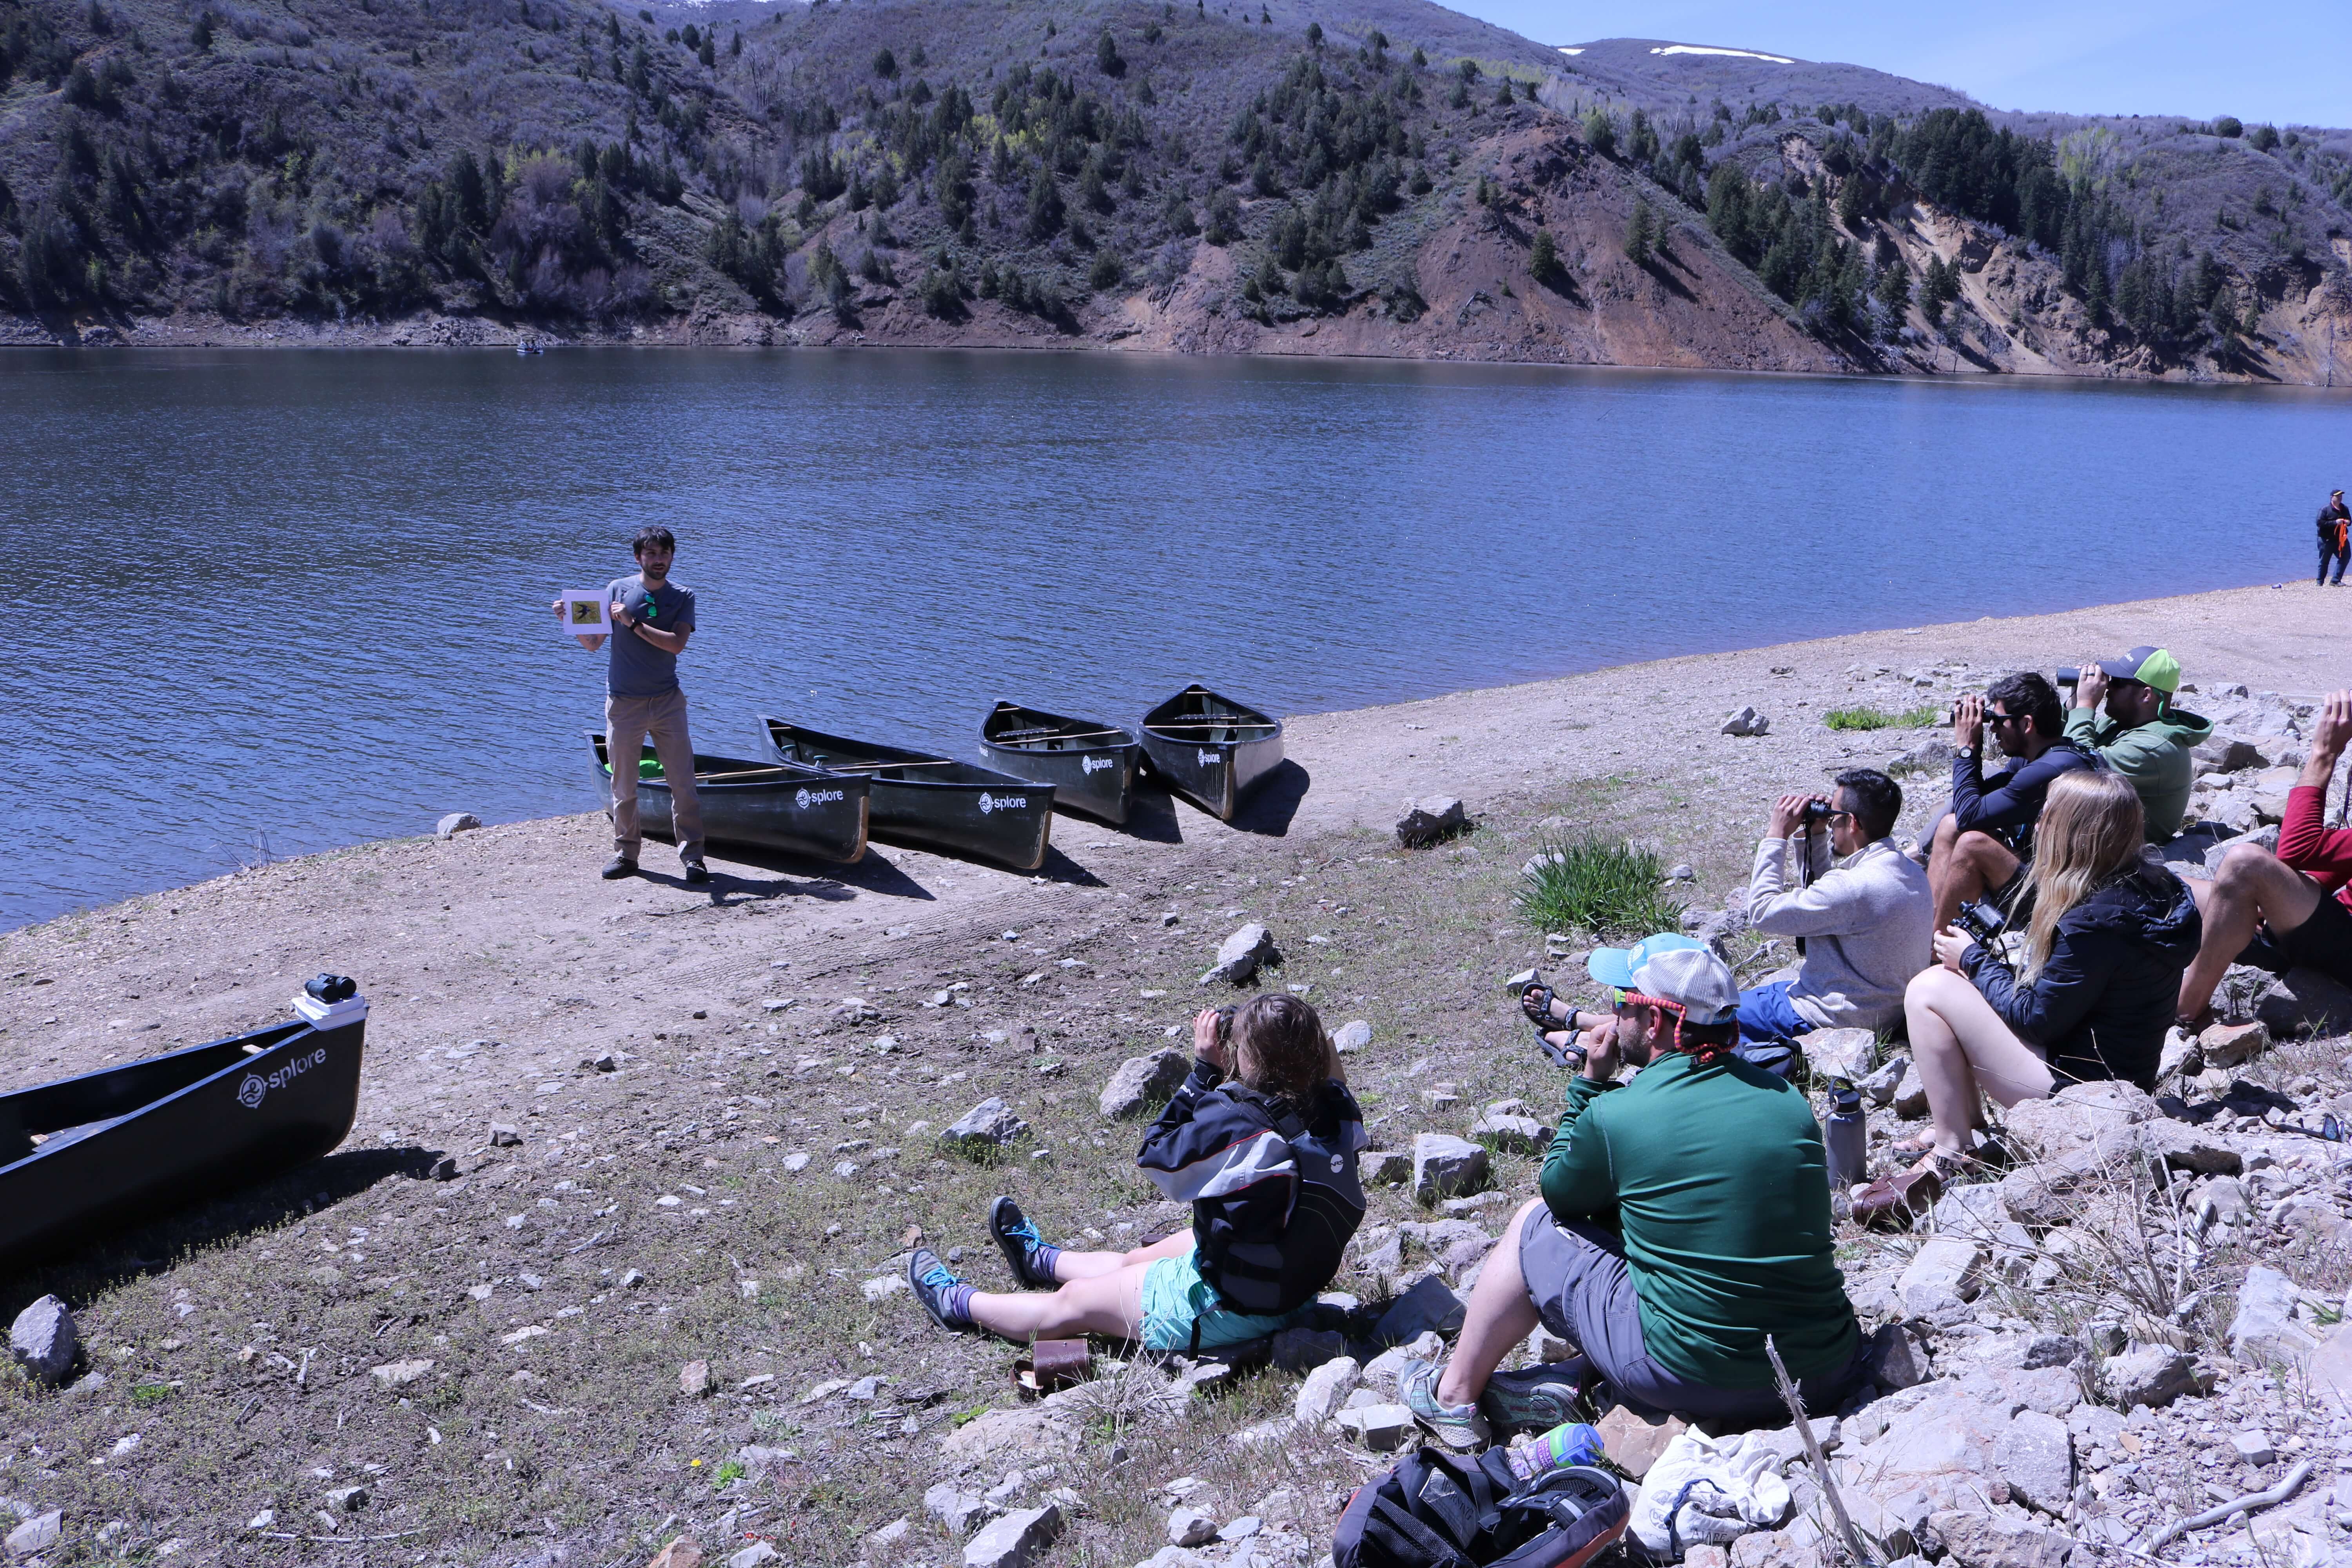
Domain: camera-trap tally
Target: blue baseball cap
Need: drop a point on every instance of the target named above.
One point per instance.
(1673, 968)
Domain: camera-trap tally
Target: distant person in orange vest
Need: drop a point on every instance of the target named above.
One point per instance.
(2334, 538)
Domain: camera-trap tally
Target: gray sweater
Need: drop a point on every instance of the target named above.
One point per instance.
(1868, 920)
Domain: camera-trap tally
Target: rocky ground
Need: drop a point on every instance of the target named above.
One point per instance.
(652, 1292)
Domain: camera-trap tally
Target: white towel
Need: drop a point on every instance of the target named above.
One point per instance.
(1709, 1491)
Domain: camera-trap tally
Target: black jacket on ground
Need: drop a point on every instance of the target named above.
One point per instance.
(1267, 1235)
(2100, 1006)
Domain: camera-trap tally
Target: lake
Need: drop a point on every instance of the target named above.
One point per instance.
(275, 601)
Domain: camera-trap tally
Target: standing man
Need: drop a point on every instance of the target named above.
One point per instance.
(652, 618)
(2334, 538)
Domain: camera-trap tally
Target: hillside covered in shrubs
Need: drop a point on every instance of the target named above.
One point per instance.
(1217, 178)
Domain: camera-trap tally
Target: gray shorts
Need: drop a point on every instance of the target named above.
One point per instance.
(1577, 1277)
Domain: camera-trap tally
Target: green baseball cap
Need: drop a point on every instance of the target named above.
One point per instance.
(2149, 665)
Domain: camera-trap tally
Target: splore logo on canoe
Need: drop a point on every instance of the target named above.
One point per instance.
(1096, 764)
(809, 797)
(256, 1086)
(1211, 759)
(989, 802)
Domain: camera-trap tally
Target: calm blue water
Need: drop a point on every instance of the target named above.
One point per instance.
(303, 595)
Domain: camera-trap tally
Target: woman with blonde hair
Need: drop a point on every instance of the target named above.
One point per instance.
(2095, 988)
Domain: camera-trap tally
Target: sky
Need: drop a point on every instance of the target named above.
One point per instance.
(2281, 62)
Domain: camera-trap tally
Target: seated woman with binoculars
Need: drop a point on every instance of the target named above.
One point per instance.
(2109, 935)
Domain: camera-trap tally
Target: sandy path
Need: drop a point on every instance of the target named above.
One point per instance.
(507, 933)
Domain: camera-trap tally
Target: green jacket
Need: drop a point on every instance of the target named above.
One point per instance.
(1716, 1177)
(2154, 756)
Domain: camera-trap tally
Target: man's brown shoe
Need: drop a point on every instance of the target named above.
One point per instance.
(618, 866)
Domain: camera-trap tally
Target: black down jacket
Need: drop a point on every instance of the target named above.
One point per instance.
(2101, 1005)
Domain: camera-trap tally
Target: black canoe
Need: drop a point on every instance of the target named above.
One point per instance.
(768, 805)
(132, 1141)
(1091, 766)
(926, 800)
(1209, 749)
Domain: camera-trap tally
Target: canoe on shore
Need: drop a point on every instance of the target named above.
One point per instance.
(772, 805)
(926, 800)
(128, 1142)
(1090, 766)
(1209, 749)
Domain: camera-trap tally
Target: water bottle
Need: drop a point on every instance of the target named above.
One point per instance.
(1846, 1137)
(1570, 1443)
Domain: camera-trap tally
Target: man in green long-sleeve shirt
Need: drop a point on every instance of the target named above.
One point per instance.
(1712, 1175)
(2144, 737)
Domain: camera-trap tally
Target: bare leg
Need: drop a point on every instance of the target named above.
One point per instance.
(2253, 887)
(1976, 862)
(1961, 1046)
(1110, 1305)
(1499, 1316)
(1939, 857)
(1095, 1265)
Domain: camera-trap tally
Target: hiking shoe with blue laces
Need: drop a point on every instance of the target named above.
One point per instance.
(1456, 1425)
(946, 1298)
(1026, 1251)
(1535, 1398)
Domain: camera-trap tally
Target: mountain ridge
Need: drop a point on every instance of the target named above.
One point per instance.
(1403, 181)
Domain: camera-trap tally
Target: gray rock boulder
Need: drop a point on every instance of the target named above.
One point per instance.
(1881, 1086)
(1430, 821)
(990, 1124)
(1303, 1350)
(1896, 1359)
(2265, 837)
(1507, 1133)
(1945, 1271)
(1379, 1427)
(1143, 1082)
(960, 1510)
(1015, 1540)
(1746, 721)
(1242, 955)
(1384, 1167)
(1352, 1036)
(2304, 1002)
(1910, 1099)
(2264, 1329)
(2220, 754)
(1972, 1539)
(43, 1341)
(1428, 1308)
(1930, 756)
(1324, 1390)
(457, 822)
(2232, 1045)
(1840, 1053)
(38, 1533)
(1190, 1527)
(2036, 1457)
(2153, 1375)
(1444, 1166)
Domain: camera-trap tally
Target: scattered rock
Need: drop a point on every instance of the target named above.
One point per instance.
(1910, 1099)
(43, 1341)
(2229, 1045)
(2036, 1457)
(1190, 1527)
(1896, 1359)
(1945, 1271)
(1634, 1442)
(349, 1499)
(2227, 755)
(2304, 1002)
(1240, 955)
(1015, 1540)
(2252, 1448)
(38, 1533)
(753, 1555)
(1997, 1540)
(1932, 757)
(1384, 1167)
(1444, 1166)
(990, 1124)
(1747, 721)
(1882, 1085)
(694, 1379)
(1511, 1134)
(1427, 822)
(399, 1374)
(1428, 1308)
(503, 1136)
(1143, 1082)
(1324, 1390)
(457, 822)
(1353, 1036)
(960, 1511)
(2153, 1375)
(1379, 1427)
(2180, 1056)
(2264, 1329)
(1840, 1053)
(882, 1286)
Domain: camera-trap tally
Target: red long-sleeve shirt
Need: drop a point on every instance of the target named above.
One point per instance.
(2306, 845)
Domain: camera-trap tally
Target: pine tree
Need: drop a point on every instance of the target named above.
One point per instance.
(1638, 234)
(1893, 289)
(1543, 262)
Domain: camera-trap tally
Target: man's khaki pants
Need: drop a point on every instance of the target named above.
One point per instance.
(627, 720)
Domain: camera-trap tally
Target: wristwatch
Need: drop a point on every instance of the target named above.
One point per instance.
(1966, 753)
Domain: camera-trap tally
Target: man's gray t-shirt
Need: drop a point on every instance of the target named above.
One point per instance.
(639, 669)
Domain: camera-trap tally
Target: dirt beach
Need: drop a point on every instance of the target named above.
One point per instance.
(790, 1022)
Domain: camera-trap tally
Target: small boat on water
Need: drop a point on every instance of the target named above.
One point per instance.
(772, 805)
(1090, 766)
(132, 1141)
(1211, 749)
(926, 800)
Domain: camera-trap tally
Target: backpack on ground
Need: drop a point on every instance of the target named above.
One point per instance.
(1437, 1510)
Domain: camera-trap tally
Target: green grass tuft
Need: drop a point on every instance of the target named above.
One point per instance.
(1600, 886)
(1879, 719)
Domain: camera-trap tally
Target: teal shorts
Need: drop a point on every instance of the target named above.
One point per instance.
(1175, 1298)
